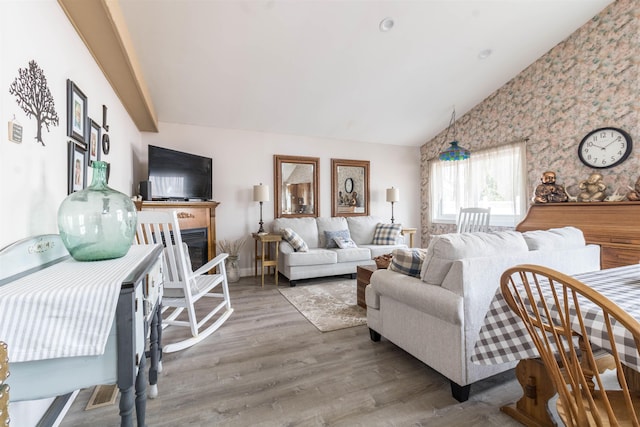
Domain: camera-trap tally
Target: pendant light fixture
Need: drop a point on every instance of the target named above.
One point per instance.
(454, 151)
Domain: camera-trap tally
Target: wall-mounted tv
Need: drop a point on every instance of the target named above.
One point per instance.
(176, 175)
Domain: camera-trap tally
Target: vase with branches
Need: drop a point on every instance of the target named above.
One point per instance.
(231, 247)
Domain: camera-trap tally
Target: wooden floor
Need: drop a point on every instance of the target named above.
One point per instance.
(268, 366)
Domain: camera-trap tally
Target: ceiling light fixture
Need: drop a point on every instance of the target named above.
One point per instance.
(454, 152)
(386, 24)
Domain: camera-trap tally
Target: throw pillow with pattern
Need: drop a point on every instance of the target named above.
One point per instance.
(331, 235)
(408, 261)
(344, 242)
(294, 239)
(386, 234)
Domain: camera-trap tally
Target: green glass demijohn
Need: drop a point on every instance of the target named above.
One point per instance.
(98, 222)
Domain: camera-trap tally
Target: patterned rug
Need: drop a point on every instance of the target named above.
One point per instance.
(328, 306)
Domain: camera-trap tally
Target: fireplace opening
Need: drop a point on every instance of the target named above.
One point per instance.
(197, 241)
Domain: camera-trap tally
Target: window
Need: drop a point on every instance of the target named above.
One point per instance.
(494, 178)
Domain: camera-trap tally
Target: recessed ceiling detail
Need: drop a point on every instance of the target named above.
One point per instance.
(484, 54)
(386, 24)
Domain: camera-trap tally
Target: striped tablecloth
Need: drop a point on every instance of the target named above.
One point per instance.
(65, 310)
(503, 337)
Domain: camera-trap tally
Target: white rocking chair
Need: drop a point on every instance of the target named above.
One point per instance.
(183, 287)
(473, 219)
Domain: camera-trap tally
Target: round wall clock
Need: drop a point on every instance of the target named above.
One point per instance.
(605, 147)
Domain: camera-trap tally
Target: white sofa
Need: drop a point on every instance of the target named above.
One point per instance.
(320, 261)
(437, 316)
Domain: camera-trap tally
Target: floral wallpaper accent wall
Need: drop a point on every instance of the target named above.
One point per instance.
(590, 80)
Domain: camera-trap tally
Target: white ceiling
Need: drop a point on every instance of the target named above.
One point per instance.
(322, 68)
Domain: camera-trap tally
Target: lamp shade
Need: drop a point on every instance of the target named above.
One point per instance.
(260, 193)
(454, 152)
(393, 194)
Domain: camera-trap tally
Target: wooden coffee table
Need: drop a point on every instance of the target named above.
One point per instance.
(363, 277)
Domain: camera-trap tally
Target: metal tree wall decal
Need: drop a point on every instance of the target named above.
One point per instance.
(34, 97)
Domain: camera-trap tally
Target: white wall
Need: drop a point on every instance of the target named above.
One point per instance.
(33, 178)
(242, 159)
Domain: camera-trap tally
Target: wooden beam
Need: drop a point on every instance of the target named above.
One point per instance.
(101, 25)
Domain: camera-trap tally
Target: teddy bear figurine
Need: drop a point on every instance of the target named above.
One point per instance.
(592, 189)
(548, 191)
(634, 195)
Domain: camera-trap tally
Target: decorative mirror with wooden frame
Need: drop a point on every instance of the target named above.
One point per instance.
(349, 187)
(296, 186)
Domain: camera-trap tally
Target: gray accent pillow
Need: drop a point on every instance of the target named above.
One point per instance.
(330, 235)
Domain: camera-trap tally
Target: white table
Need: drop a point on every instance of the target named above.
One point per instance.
(70, 325)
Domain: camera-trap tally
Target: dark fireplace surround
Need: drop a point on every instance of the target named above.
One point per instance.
(197, 242)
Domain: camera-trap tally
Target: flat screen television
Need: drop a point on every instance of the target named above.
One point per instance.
(176, 175)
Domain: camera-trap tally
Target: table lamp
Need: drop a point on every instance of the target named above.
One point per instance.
(261, 194)
(393, 195)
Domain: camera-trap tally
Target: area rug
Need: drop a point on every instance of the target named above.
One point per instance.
(328, 306)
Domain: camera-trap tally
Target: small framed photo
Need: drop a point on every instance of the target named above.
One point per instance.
(94, 141)
(77, 165)
(76, 112)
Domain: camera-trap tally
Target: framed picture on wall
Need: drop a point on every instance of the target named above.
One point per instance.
(76, 112)
(349, 187)
(77, 167)
(93, 142)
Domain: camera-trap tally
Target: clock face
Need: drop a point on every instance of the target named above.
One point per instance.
(605, 148)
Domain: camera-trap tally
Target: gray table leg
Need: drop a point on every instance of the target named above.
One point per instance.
(154, 349)
(125, 324)
(141, 392)
(126, 407)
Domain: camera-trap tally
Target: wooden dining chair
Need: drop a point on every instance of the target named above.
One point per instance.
(473, 219)
(558, 311)
(185, 290)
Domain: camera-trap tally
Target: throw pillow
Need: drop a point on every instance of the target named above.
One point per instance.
(331, 235)
(294, 240)
(386, 234)
(408, 261)
(344, 242)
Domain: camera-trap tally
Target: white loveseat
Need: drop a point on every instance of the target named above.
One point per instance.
(320, 261)
(437, 317)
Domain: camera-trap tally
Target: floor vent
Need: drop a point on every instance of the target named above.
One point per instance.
(103, 395)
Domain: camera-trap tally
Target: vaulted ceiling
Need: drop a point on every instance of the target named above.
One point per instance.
(324, 68)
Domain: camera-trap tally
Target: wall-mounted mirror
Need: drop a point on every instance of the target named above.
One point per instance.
(296, 186)
(349, 187)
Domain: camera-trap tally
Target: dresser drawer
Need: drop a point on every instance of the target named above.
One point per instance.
(153, 288)
(618, 256)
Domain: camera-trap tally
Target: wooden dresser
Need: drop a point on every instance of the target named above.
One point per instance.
(190, 215)
(615, 226)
